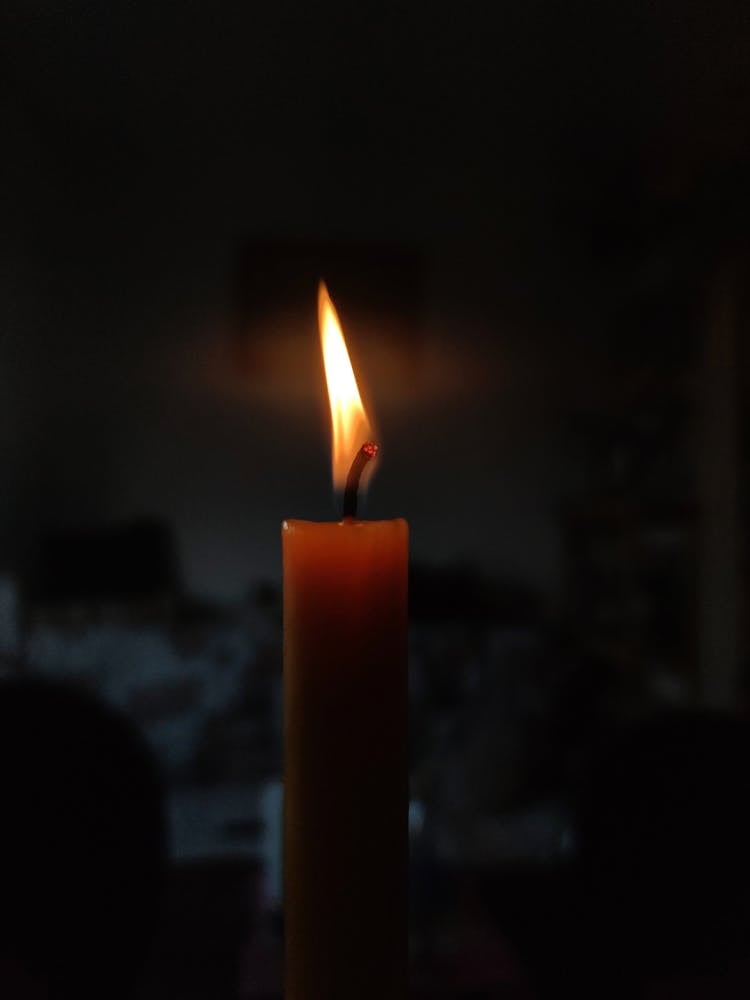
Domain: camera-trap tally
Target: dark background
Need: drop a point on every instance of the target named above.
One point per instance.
(533, 219)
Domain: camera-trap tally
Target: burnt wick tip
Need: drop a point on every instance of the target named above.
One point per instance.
(366, 453)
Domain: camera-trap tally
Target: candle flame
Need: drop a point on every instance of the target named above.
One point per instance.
(351, 426)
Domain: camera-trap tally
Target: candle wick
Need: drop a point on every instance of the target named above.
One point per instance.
(367, 452)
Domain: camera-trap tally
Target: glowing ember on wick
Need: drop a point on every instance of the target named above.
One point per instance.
(366, 453)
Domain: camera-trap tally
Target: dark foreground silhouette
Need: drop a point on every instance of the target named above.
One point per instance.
(81, 846)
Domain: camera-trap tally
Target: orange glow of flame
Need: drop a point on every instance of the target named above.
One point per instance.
(351, 426)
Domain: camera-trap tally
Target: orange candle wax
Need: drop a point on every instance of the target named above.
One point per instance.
(346, 777)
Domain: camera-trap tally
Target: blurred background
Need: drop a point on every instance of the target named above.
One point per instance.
(533, 220)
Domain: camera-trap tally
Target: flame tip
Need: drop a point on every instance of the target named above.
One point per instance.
(350, 423)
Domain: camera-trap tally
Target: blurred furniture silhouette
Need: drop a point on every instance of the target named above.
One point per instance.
(665, 856)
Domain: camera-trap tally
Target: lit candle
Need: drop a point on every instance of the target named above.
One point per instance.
(345, 723)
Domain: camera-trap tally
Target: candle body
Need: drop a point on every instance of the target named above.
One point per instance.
(345, 767)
